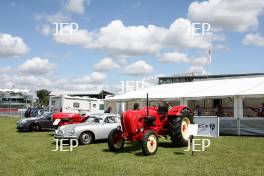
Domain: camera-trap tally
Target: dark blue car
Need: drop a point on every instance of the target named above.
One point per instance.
(38, 123)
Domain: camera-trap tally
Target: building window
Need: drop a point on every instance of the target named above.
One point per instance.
(76, 105)
(94, 105)
(53, 103)
(213, 107)
(101, 107)
(253, 107)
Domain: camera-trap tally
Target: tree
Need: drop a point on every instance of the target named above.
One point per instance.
(43, 96)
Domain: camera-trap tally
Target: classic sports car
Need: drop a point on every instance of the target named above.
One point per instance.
(97, 126)
(37, 123)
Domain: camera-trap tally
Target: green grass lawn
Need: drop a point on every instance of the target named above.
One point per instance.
(31, 154)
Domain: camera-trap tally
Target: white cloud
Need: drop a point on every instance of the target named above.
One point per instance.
(104, 65)
(71, 37)
(93, 78)
(177, 57)
(253, 39)
(199, 61)
(5, 69)
(63, 15)
(50, 82)
(173, 57)
(138, 68)
(151, 80)
(12, 46)
(119, 39)
(240, 15)
(197, 70)
(58, 17)
(131, 40)
(179, 36)
(221, 47)
(76, 6)
(32, 81)
(44, 29)
(36, 66)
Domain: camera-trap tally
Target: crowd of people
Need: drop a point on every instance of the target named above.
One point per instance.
(198, 111)
(33, 112)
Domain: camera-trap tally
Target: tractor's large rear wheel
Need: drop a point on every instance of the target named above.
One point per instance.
(115, 140)
(150, 143)
(178, 128)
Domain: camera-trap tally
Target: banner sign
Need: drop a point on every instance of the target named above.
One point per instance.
(207, 126)
(192, 129)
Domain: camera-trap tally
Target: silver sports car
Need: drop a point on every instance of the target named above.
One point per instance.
(97, 126)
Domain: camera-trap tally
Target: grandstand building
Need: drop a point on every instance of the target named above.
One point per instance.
(12, 100)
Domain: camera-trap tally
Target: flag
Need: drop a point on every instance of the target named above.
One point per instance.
(209, 59)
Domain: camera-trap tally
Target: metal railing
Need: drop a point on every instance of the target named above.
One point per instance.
(12, 114)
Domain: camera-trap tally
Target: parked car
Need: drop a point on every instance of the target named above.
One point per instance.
(97, 126)
(38, 123)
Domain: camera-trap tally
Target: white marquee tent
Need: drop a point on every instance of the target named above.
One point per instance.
(251, 86)
(237, 88)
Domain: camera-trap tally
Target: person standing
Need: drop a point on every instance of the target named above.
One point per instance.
(198, 110)
(109, 109)
(136, 106)
(261, 111)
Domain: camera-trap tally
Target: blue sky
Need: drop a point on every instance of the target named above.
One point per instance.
(147, 45)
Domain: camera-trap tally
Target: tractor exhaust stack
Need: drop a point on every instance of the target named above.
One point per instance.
(147, 106)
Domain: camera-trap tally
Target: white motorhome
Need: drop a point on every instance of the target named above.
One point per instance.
(74, 104)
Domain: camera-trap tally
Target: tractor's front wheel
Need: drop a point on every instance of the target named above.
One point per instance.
(150, 143)
(115, 140)
(178, 128)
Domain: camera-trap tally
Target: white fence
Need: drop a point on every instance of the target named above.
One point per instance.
(12, 114)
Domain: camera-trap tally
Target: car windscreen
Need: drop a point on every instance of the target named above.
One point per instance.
(111, 119)
(94, 119)
(46, 115)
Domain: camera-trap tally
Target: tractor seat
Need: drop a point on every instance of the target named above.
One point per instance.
(150, 120)
(162, 110)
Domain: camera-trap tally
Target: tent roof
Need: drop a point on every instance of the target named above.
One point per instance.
(14, 90)
(81, 93)
(198, 89)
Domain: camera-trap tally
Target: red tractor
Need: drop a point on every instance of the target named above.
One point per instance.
(147, 124)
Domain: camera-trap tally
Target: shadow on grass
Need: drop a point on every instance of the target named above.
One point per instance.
(132, 147)
(128, 148)
(179, 153)
(67, 141)
(41, 131)
(168, 145)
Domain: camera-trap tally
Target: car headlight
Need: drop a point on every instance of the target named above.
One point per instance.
(22, 121)
(60, 132)
(72, 131)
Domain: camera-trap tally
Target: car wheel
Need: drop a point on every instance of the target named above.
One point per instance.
(34, 127)
(86, 138)
(37, 127)
(31, 127)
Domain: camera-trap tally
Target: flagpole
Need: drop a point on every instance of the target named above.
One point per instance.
(209, 59)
